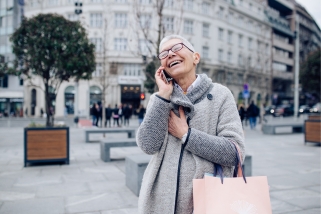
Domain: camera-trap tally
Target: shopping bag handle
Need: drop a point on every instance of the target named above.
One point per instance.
(238, 170)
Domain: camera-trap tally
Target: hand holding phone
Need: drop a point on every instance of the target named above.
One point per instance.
(166, 77)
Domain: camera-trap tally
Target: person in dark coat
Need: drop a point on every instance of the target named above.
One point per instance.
(241, 113)
(116, 115)
(96, 114)
(140, 113)
(252, 112)
(126, 114)
(108, 113)
(93, 113)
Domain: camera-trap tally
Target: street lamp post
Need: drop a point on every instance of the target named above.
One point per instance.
(296, 73)
(78, 11)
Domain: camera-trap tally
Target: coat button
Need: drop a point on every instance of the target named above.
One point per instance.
(210, 96)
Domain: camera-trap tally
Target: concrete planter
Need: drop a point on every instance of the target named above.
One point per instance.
(48, 144)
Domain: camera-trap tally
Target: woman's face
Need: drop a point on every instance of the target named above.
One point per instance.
(186, 59)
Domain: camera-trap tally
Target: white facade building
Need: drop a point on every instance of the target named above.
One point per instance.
(233, 38)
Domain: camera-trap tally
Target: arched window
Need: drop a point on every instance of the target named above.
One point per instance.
(69, 100)
(95, 95)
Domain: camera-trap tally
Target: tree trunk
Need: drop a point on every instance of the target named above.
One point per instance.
(47, 103)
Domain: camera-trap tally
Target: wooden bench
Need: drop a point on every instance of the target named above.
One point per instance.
(130, 132)
(106, 145)
(136, 166)
(312, 129)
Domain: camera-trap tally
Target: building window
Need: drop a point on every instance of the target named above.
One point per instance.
(241, 22)
(73, 17)
(206, 30)
(53, 2)
(205, 52)
(230, 37)
(205, 8)
(221, 13)
(188, 27)
(230, 18)
(188, 5)
(249, 61)
(221, 34)
(98, 71)
(20, 81)
(168, 23)
(132, 69)
(240, 79)
(220, 55)
(240, 60)
(96, 20)
(229, 57)
(96, 1)
(120, 44)
(250, 43)
(98, 44)
(144, 47)
(120, 20)
(121, 1)
(145, 20)
(145, 2)
(169, 3)
(240, 40)
(229, 77)
(267, 48)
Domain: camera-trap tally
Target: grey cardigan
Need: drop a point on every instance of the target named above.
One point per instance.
(214, 123)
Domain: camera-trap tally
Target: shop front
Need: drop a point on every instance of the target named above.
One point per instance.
(11, 104)
(131, 88)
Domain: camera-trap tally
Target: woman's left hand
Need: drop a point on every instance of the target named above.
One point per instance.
(177, 126)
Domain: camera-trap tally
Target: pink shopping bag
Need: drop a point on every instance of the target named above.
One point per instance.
(237, 195)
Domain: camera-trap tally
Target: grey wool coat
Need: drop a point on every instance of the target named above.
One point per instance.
(214, 122)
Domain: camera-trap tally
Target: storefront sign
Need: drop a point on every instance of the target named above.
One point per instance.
(16, 100)
(129, 80)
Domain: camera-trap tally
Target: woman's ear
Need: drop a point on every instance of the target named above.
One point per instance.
(197, 58)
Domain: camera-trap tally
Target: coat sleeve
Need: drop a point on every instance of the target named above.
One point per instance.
(151, 133)
(220, 149)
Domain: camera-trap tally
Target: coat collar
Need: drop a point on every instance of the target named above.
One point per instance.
(197, 94)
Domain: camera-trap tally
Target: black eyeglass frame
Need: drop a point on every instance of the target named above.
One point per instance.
(173, 51)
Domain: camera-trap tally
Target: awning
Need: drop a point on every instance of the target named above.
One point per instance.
(11, 94)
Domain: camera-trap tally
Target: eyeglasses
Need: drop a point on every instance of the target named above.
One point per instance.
(174, 49)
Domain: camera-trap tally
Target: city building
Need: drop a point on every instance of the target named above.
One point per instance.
(241, 42)
(11, 87)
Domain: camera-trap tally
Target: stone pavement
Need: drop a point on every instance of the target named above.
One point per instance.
(89, 185)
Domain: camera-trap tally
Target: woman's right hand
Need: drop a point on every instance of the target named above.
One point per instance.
(165, 90)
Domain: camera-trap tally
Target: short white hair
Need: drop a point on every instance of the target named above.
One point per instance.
(173, 36)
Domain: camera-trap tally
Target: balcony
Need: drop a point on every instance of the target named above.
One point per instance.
(283, 60)
(283, 75)
(283, 45)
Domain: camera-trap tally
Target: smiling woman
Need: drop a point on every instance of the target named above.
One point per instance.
(190, 124)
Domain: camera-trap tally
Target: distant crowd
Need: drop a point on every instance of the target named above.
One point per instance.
(120, 114)
(250, 114)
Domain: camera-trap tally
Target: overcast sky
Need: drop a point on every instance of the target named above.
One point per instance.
(314, 8)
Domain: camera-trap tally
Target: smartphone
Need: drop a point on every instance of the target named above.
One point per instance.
(166, 77)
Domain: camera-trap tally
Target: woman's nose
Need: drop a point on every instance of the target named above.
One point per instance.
(171, 53)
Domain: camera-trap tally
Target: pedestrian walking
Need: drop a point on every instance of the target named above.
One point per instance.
(108, 114)
(190, 124)
(252, 112)
(140, 113)
(126, 114)
(116, 116)
(97, 114)
(120, 114)
(241, 112)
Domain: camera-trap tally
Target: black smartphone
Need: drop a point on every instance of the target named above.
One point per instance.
(166, 77)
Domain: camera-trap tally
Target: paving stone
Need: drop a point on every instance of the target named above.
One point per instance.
(121, 211)
(63, 190)
(279, 206)
(104, 201)
(34, 206)
(311, 211)
(14, 196)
